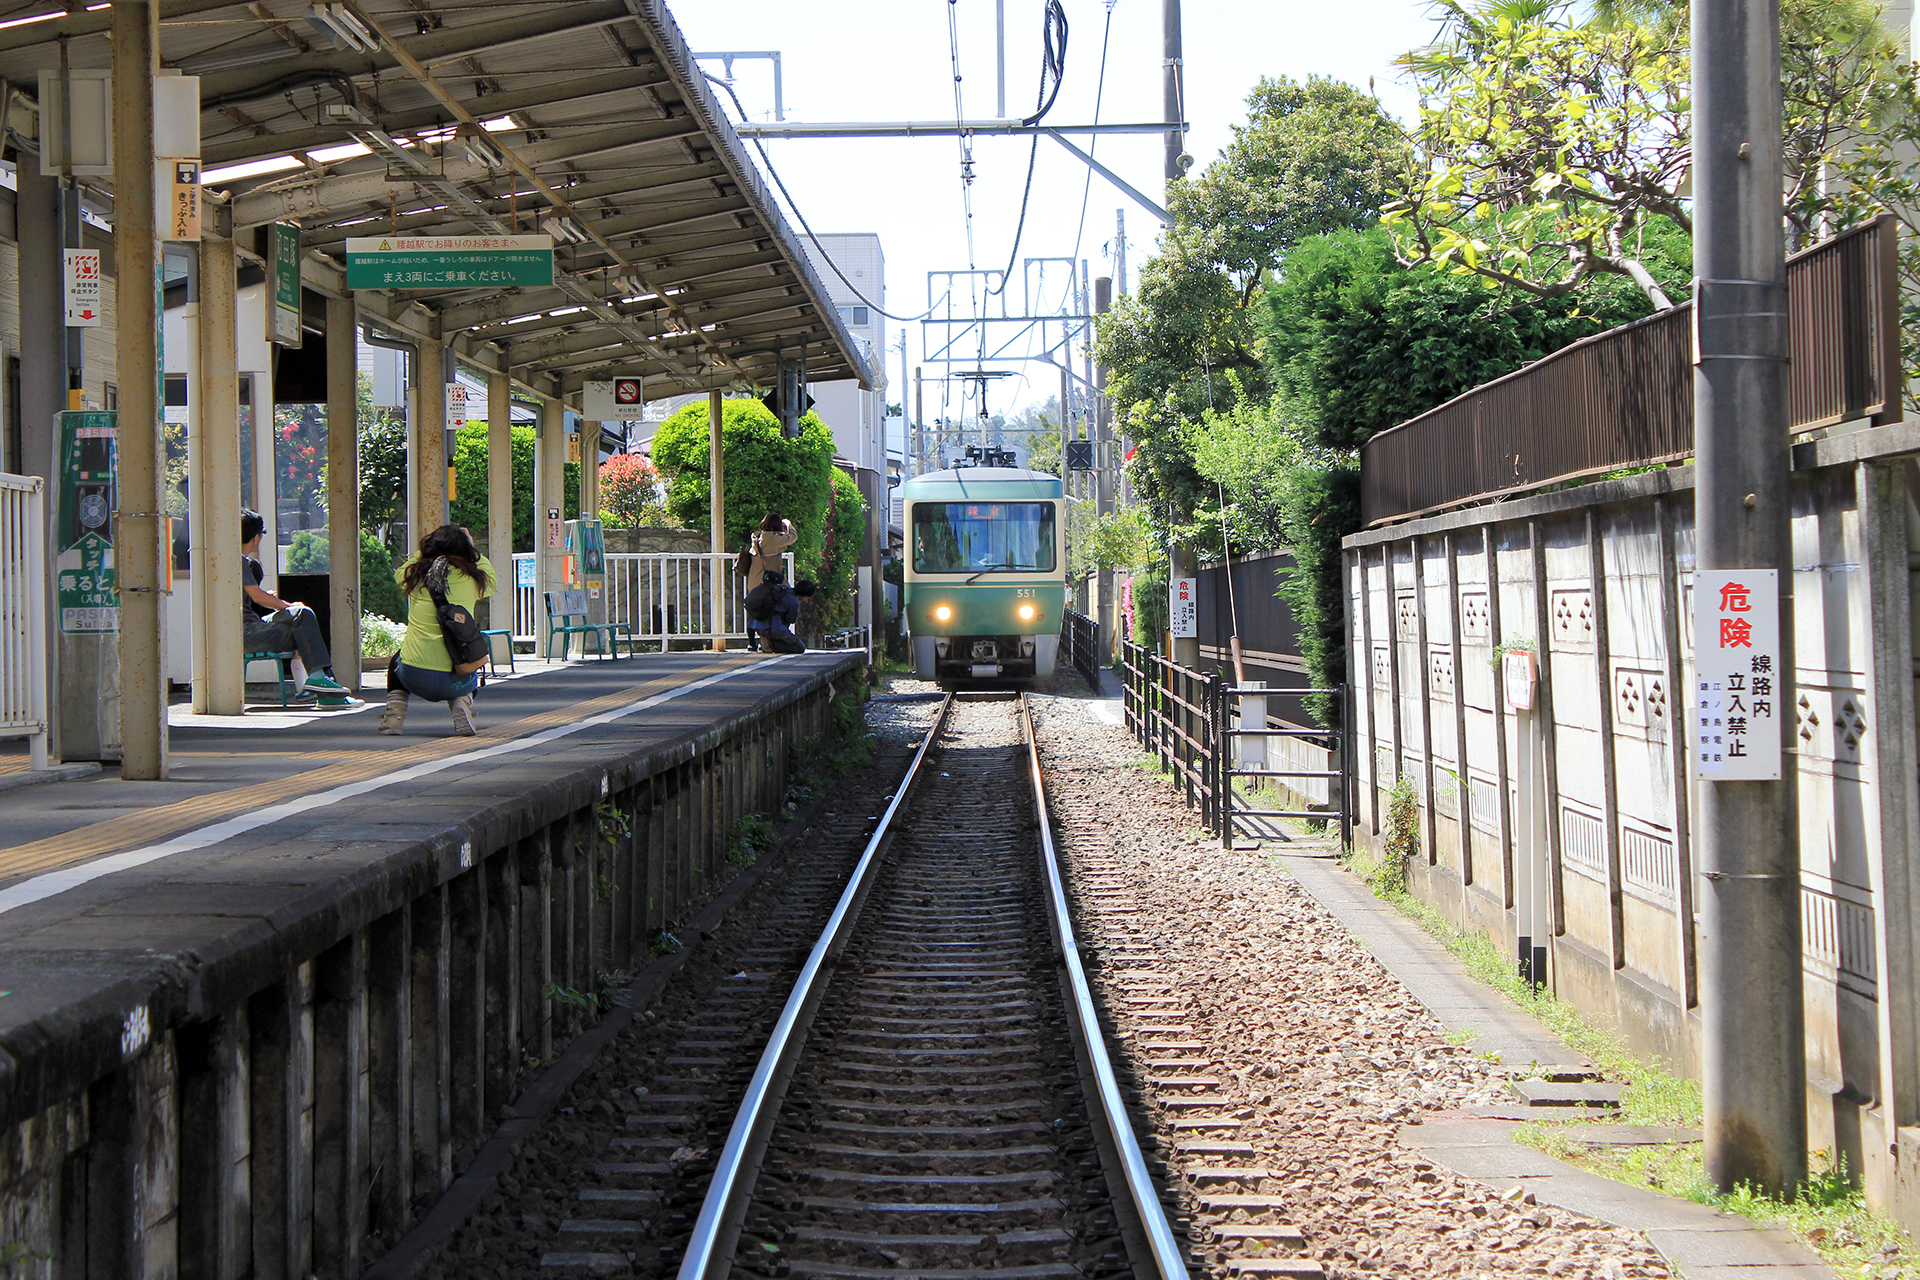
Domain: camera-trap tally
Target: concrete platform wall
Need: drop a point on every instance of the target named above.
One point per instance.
(291, 1110)
(1598, 579)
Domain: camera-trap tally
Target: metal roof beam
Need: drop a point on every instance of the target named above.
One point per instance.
(447, 44)
(499, 205)
(79, 23)
(220, 149)
(367, 182)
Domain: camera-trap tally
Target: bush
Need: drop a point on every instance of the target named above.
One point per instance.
(630, 493)
(840, 557)
(1318, 509)
(765, 471)
(380, 636)
(1150, 606)
(307, 553)
(379, 593)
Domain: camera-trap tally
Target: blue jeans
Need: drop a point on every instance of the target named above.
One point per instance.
(431, 685)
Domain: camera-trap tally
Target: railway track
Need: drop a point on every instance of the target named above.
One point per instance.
(935, 1098)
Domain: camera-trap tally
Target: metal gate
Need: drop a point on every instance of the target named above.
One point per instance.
(1204, 729)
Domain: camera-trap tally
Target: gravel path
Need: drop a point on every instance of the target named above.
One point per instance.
(1325, 1052)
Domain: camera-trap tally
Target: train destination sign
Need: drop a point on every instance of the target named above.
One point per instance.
(441, 262)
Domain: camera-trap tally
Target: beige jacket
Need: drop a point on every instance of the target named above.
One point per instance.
(768, 550)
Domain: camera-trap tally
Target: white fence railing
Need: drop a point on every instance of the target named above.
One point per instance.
(23, 613)
(662, 597)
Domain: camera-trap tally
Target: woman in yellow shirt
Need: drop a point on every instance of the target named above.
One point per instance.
(448, 560)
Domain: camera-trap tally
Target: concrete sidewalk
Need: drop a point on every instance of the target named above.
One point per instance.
(1700, 1243)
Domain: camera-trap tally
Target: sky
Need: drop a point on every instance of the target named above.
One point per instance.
(893, 61)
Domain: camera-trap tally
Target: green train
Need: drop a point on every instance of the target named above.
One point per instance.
(984, 587)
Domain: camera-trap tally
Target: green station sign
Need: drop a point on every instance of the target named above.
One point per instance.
(88, 600)
(449, 262)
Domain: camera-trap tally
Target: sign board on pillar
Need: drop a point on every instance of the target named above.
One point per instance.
(1183, 608)
(616, 400)
(573, 446)
(1518, 679)
(457, 397)
(87, 600)
(438, 262)
(183, 200)
(83, 288)
(283, 284)
(84, 116)
(1736, 675)
(556, 532)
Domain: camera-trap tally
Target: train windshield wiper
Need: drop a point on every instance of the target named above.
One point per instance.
(992, 568)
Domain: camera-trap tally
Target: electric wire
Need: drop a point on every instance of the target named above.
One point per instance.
(794, 207)
(1053, 60)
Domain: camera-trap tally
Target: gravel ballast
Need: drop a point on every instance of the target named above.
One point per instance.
(1323, 1053)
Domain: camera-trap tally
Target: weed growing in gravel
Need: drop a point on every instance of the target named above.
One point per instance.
(1402, 844)
(1830, 1214)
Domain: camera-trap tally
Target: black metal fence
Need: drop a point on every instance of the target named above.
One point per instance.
(1624, 398)
(1080, 646)
(1187, 719)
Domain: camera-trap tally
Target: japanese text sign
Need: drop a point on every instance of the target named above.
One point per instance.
(83, 288)
(1517, 678)
(1183, 608)
(1736, 675)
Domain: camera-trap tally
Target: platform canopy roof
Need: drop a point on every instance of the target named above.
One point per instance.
(587, 119)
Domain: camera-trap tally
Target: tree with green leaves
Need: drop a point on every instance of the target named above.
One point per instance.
(383, 462)
(1556, 142)
(1312, 158)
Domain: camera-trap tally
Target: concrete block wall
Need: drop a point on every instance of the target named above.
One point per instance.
(1598, 580)
(293, 1114)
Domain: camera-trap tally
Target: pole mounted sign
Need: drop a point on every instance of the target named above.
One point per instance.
(1183, 608)
(283, 284)
(615, 400)
(83, 288)
(438, 262)
(1736, 673)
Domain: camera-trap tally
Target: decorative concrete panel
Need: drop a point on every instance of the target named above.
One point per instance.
(1583, 842)
(1440, 672)
(1647, 862)
(1641, 703)
(1571, 618)
(1476, 617)
(1837, 938)
(1382, 668)
(1483, 803)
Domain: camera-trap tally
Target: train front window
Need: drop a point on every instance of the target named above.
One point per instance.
(971, 537)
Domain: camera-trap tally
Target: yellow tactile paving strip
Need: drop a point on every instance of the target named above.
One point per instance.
(134, 829)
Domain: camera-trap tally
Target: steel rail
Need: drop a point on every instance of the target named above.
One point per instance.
(1169, 1263)
(709, 1253)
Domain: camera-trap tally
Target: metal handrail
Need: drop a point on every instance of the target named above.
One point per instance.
(1169, 1263)
(709, 1253)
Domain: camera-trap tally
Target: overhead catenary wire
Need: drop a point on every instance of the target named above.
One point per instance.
(1053, 63)
(794, 206)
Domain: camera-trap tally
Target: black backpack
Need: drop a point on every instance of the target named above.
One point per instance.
(458, 627)
(763, 599)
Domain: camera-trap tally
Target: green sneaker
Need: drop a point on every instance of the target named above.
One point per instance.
(324, 685)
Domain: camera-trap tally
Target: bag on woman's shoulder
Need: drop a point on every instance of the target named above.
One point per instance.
(743, 563)
(458, 627)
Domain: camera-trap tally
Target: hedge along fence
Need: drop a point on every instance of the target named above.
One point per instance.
(766, 471)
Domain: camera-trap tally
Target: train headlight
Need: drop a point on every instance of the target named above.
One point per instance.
(943, 613)
(1026, 612)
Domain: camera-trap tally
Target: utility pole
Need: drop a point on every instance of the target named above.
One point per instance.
(1120, 253)
(1753, 1022)
(1107, 614)
(1186, 651)
(1171, 95)
(919, 432)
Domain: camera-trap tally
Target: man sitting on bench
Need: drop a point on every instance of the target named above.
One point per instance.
(274, 625)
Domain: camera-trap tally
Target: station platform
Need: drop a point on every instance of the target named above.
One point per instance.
(127, 907)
